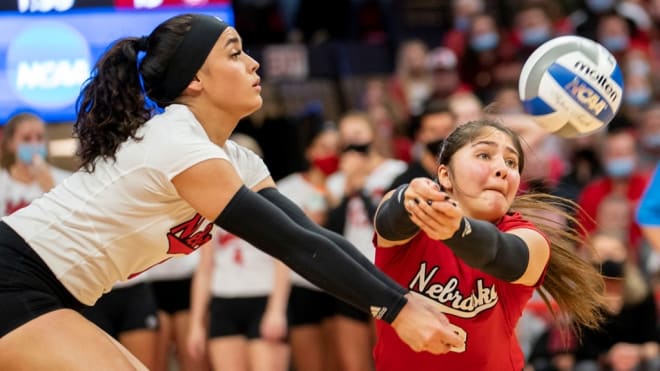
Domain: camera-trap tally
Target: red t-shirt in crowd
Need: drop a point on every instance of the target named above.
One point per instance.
(483, 308)
(594, 193)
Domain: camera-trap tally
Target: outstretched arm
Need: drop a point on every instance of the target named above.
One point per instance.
(518, 256)
(267, 190)
(214, 189)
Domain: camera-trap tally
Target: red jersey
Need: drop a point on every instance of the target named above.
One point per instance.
(483, 309)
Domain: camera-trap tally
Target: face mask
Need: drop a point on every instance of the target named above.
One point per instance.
(599, 6)
(360, 148)
(637, 97)
(534, 36)
(620, 168)
(462, 23)
(652, 141)
(327, 165)
(638, 67)
(26, 151)
(611, 268)
(485, 42)
(435, 147)
(615, 43)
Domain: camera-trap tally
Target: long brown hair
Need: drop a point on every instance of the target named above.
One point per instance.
(112, 105)
(571, 280)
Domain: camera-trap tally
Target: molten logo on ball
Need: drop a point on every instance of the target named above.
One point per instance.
(600, 78)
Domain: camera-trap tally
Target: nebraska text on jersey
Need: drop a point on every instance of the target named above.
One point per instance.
(186, 237)
(451, 300)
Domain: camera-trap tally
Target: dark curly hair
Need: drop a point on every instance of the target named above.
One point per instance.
(112, 105)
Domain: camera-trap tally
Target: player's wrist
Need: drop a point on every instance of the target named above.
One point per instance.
(390, 313)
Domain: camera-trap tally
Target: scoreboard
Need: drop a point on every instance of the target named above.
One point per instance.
(48, 47)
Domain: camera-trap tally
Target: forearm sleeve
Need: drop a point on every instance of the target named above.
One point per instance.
(298, 215)
(392, 220)
(481, 245)
(312, 255)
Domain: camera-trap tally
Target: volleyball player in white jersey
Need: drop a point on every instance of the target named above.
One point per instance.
(310, 308)
(25, 173)
(248, 298)
(356, 190)
(171, 283)
(149, 187)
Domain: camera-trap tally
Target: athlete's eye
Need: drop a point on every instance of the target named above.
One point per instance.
(512, 163)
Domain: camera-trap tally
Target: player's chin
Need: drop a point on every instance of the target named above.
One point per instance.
(253, 106)
(494, 209)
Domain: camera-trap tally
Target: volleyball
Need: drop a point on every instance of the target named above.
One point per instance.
(571, 85)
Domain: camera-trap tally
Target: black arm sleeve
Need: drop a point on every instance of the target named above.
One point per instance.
(481, 245)
(311, 254)
(298, 215)
(392, 219)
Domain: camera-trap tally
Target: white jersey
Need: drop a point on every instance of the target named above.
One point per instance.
(174, 269)
(96, 229)
(240, 269)
(310, 199)
(140, 278)
(15, 195)
(359, 229)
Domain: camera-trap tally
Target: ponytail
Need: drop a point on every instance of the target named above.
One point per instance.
(570, 281)
(112, 105)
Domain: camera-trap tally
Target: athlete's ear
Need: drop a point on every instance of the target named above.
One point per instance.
(443, 178)
(195, 85)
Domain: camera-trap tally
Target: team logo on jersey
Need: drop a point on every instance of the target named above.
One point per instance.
(449, 297)
(187, 236)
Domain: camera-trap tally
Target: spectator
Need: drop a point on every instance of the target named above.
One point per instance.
(466, 107)
(649, 134)
(411, 83)
(532, 27)
(25, 173)
(435, 124)
(628, 339)
(622, 177)
(488, 49)
(443, 64)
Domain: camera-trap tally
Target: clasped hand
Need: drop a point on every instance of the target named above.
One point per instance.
(433, 210)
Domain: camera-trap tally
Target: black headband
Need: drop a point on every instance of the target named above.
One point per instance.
(189, 56)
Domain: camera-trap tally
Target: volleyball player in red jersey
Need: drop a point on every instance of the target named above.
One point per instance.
(467, 243)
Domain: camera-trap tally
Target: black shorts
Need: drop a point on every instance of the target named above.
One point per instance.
(125, 309)
(237, 316)
(309, 307)
(172, 295)
(28, 288)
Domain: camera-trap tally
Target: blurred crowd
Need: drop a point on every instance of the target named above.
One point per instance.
(337, 140)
